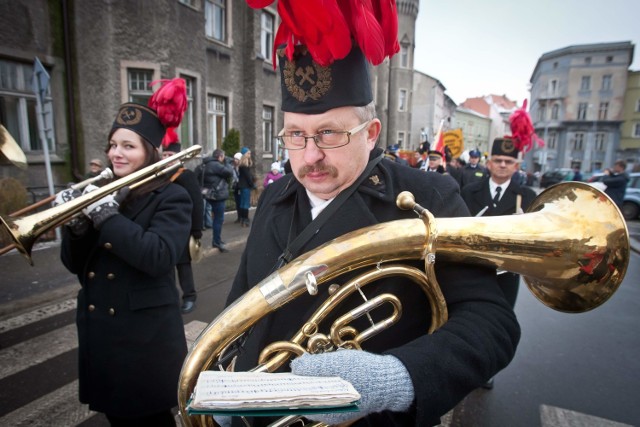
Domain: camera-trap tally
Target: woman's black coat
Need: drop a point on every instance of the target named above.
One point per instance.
(482, 332)
(130, 329)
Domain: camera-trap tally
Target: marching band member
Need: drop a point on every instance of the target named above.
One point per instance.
(124, 250)
(405, 375)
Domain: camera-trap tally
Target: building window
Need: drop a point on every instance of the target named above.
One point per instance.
(609, 58)
(585, 84)
(552, 141)
(638, 106)
(215, 15)
(187, 125)
(216, 122)
(587, 60)
(553, 87)
(18, 107)
(602, 111)
(401, 138)
(139, 85)
(578, 141)
(404, 56)
(606, 82)
(555, 111)
(267, 21)
(267, 129)
(542, 113)
(192, 3)
(555, 65)
(599, 142)
(402, 100)
(582, 111)
(636, 130)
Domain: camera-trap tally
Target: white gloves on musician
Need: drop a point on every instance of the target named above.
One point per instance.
(383, 381)
(79, 224)
(100, 211)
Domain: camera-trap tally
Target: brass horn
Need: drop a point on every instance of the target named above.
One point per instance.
(572, 248)
(21, 232)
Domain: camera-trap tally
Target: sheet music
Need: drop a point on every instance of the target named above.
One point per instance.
(232, 390)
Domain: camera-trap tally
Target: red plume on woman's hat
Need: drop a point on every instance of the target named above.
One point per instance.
(157, 121)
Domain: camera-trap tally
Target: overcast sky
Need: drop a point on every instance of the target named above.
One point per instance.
(482, 47)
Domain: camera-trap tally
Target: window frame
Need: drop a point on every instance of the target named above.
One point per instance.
(186, 130)
(583, 107)
(214, 116)
(267, 36)
(403, 99)
(268, 130)
(211, 29)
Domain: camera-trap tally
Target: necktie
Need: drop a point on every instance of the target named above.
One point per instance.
(496, 198)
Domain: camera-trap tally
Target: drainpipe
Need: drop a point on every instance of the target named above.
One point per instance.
(71, 111)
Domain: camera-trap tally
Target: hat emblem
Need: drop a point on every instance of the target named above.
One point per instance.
(129, 116)
(507, 146)
(306, 82)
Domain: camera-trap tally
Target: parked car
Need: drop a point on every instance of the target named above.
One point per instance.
(550, 178)
(631, 205)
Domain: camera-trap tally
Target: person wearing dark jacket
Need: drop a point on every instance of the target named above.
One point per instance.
(472, 171)
(246, 183)
(405, 376)
(124, 250)
(616, 181)
(188, 180)
(215, 178)
(500, 194)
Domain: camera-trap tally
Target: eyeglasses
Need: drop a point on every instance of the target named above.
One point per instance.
(325, 140)
(433, 158)
(507, 162)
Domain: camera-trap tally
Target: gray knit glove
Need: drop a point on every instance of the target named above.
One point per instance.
(382, 381)
(100, 211)
(79, 224)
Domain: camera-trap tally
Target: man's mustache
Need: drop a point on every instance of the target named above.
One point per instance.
(318, 168)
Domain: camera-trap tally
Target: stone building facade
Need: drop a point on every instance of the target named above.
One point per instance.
(577, 104)
(100, 54)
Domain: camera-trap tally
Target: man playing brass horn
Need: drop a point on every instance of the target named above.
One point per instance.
(405, 375)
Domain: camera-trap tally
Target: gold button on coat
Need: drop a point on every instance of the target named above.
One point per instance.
(112, 311)
(91, 275)
(111, 276)
(107, 245)
(91, 307)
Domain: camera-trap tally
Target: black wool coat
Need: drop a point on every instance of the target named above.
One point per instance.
(477, 195)
(478, 340)
(130, 330)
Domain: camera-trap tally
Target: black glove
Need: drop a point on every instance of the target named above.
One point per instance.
(100, 211)
(197, 234)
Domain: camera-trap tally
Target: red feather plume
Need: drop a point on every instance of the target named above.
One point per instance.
(328, 27)
(170, 102)
(522, 132)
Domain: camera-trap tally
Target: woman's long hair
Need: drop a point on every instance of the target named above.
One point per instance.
(246, 160)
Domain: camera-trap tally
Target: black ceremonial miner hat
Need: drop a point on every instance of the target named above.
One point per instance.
(310, 88)
(504, 147)
(140, 119)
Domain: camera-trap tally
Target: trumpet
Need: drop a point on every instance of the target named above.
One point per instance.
(20, 233)
(105, 174)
